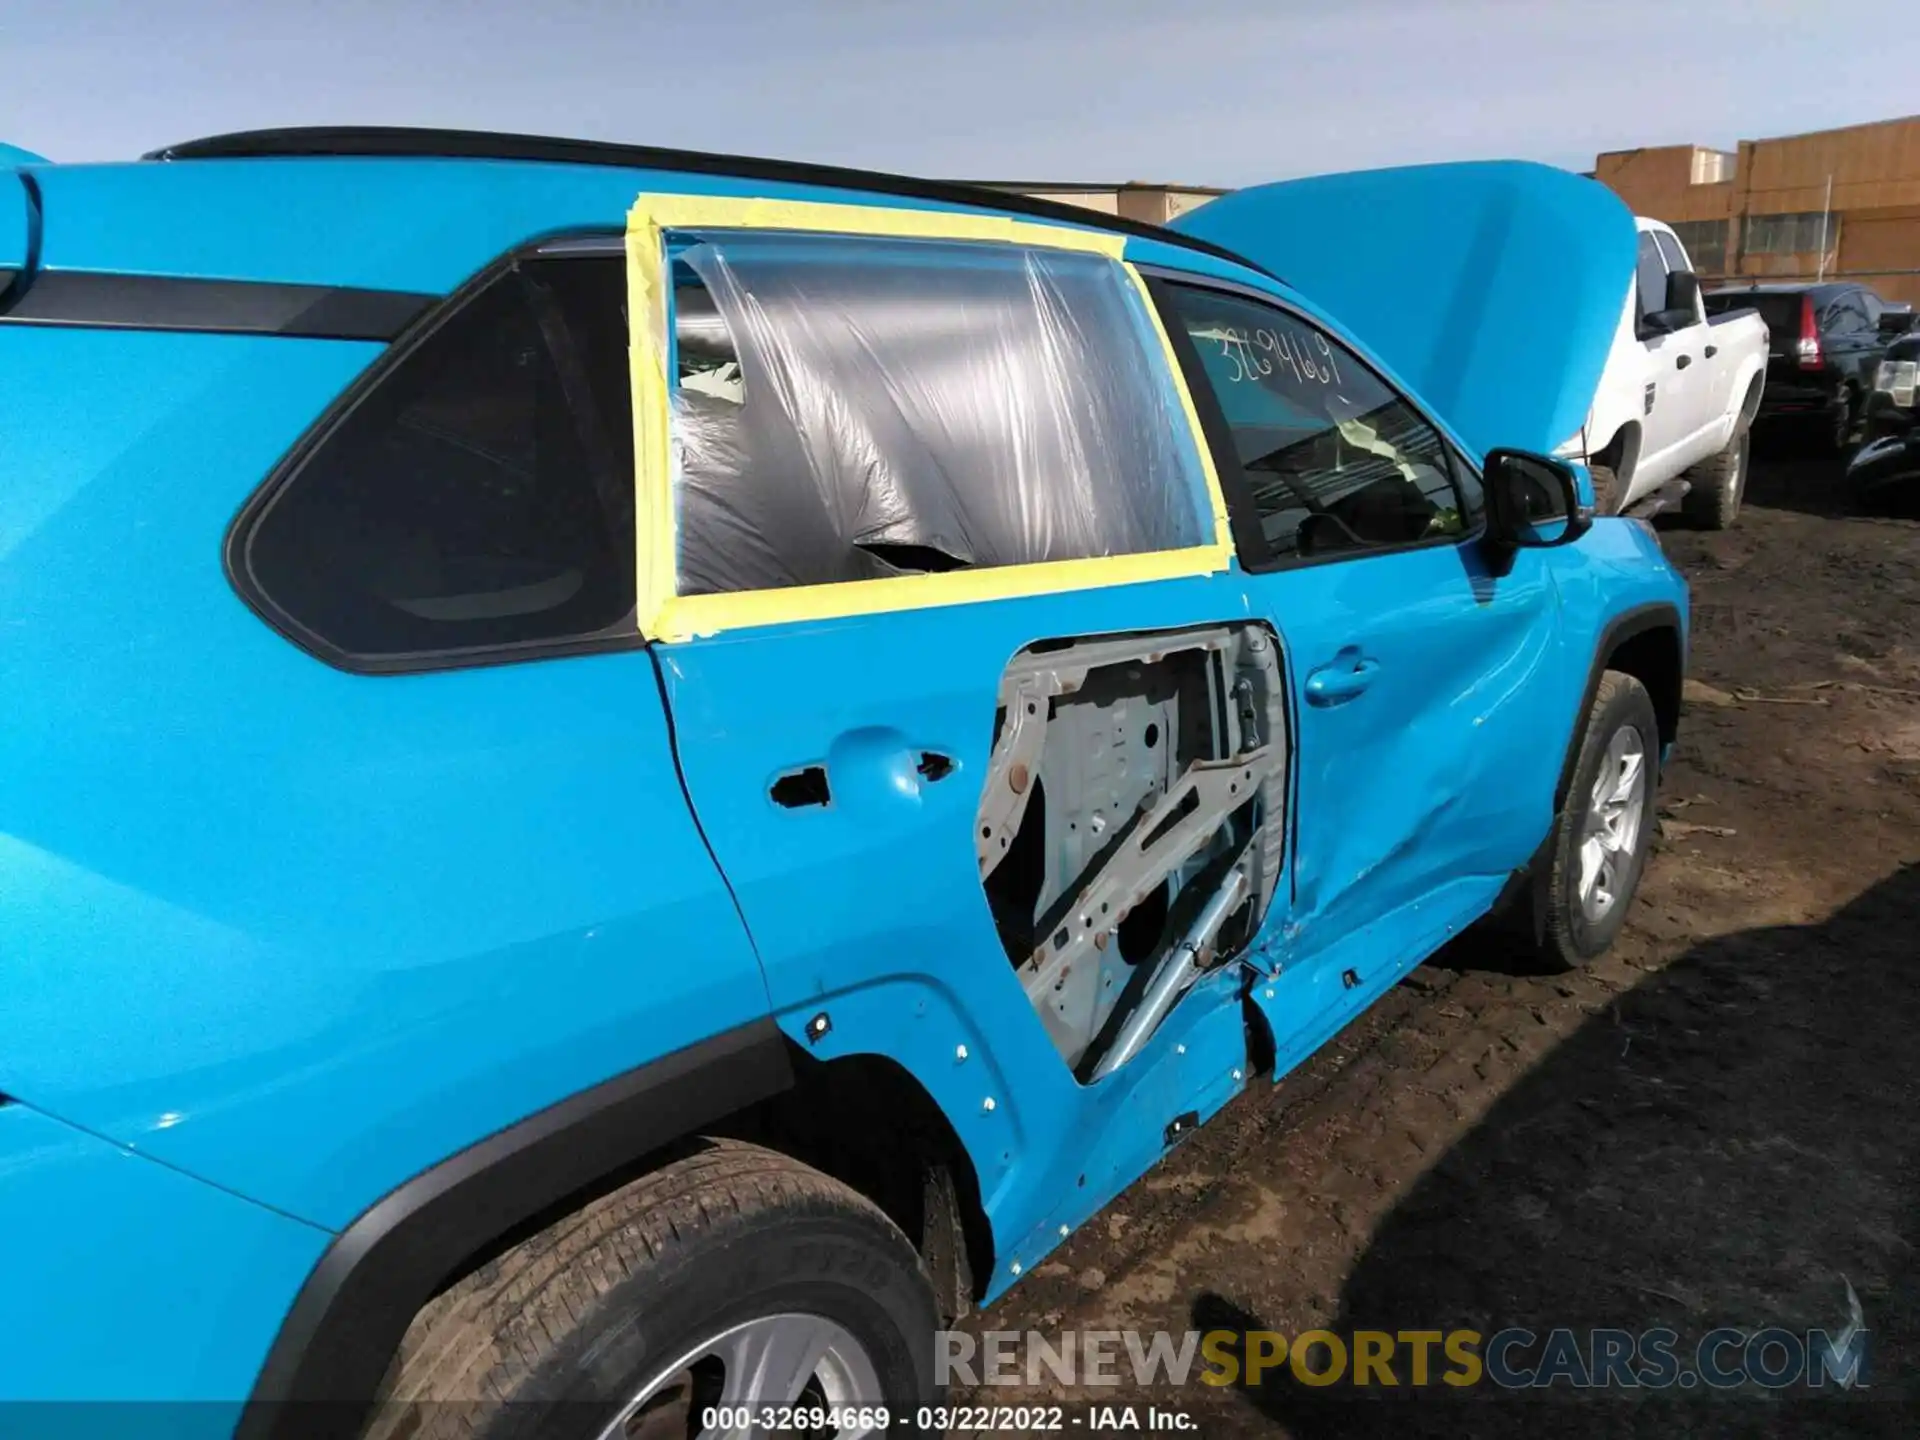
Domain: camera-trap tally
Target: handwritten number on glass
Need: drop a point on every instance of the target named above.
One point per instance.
(1257, 353)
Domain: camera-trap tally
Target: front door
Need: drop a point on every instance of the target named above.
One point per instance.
(1672, 399)
(1421, 676)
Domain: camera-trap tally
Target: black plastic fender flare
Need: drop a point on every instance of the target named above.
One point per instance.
(334, 1346)
(1656, 615)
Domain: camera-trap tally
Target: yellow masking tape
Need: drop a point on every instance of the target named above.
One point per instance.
(686, 616)
(1216, 497)
(728, 212)
(655, 552)
(668, 616)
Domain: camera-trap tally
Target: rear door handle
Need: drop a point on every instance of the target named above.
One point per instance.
(1348, 675)
(1684, 361)
(1712, 350)
(874, 763)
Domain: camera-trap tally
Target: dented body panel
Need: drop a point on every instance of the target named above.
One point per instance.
(870, 908)
(1435, 771)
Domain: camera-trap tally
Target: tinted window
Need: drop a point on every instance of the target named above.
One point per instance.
(1472, 492)
(1651, 276)
(480, 496)
(1845, 315)
(1781, 312)
(855, 408)
(1335, 460)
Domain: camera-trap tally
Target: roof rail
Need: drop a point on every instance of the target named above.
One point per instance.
(421, 143)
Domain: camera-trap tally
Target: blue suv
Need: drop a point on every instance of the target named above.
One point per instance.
(632, 778)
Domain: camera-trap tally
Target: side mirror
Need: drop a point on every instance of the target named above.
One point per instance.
(1533, 502)
(1683, 293)
(1665, 322)
(1895, 322)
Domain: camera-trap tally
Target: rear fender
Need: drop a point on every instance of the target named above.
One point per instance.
(1047, 1152)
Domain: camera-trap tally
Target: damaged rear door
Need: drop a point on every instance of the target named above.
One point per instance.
(965, 693)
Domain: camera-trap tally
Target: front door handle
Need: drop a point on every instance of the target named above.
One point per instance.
(1683, 362)
(1348, 675)
(1712, 350)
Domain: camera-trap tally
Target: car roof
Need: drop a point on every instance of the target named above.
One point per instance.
(390, 142)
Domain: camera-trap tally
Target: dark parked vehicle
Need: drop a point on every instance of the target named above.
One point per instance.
(1885, 471)
(1827, 344)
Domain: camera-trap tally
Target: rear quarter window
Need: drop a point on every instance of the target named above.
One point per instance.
(477, 497)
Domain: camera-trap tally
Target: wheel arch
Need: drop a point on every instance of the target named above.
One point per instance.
(862, 1119)
(345, 1325)
(1753, 378)
(1647, 643)
(1621, 453)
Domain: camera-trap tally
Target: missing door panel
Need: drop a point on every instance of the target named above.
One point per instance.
(1131, 825)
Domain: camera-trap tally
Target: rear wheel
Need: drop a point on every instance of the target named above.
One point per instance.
(1719, 484)
(1599, 844)
(734, 1277)
(1842, 419)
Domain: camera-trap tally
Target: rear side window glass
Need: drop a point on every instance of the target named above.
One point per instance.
(480, 496)
(1651, 276)
(1336, 461)
(853, 408)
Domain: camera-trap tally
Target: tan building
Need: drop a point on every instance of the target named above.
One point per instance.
(1843, 203)
(1135, 200)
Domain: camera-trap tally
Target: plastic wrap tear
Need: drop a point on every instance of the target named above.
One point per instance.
(853, 408)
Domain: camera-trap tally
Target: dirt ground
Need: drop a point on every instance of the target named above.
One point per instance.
(1714, 1126)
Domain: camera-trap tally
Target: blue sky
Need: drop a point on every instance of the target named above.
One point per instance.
(1200, 91)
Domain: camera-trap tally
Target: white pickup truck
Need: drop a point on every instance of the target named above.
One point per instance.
(1670, 418)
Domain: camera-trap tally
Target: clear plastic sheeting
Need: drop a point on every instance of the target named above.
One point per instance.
(851, 408)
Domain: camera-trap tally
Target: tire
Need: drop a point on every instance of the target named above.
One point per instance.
(641, 1290)
(1606, 489)
(1845, 417)
(1719, 485)
(1572, 932)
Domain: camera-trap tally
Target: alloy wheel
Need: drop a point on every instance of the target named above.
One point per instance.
(1616, 810)
(773, 1362)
